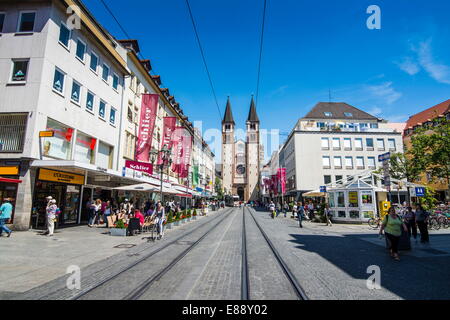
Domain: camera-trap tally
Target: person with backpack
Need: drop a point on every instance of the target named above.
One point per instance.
(392, 226)
(421, 219)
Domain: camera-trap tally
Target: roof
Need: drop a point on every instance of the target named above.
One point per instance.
(146, 64)
(157, 79)
(428, 114)
(252, 115)
(130, 44)
(228, 117)
(337, 110)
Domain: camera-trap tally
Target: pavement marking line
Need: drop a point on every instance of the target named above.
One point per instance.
(212, 255)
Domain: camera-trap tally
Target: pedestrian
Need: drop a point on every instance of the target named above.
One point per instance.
(392, 225)
(300, 214)
(422, 223)
(107, 213)
(160, 215)
(126, 206)
(272, 209)
(286, 209)
(410, 221)
(311, 210)
(90, 205)
(278, 208)
(97, 211)
(328, 215)
(5, 216)
(294, 210)
(51, 217)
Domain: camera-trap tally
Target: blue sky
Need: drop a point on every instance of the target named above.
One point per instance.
(309, 48)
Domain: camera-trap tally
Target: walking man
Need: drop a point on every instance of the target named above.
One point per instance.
(421, 219)
(328, 215)
(300, 213)
(5, 216)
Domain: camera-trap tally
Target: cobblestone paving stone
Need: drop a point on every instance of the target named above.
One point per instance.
(331, 262)
(97, 272)
(267, 279)
(221, 278)
(183, 277)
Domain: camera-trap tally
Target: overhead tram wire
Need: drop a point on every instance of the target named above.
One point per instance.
(203, 58)
(261, 51)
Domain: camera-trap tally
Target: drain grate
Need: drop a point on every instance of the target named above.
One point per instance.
(125, 246)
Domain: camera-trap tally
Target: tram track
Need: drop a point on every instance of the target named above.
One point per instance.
(147, 283)
(246, 281)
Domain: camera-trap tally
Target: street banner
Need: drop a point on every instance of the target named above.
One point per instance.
(168, 130)
(282, 179)
(195, 176)
(177, 148)
(139, 166)
(186, 158)
(146, 126)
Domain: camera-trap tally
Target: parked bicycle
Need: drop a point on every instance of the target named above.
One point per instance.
(375, 223)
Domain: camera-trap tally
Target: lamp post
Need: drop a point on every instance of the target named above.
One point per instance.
(165, 153)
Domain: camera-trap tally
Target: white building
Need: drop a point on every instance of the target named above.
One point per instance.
(333, 142)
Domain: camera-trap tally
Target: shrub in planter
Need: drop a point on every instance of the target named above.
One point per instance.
(119, 229)
(194, 214)
(170, 217)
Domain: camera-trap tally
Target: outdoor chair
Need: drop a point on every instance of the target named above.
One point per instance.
(133, 226)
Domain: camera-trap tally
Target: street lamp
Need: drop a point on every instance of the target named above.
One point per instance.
(166, 160)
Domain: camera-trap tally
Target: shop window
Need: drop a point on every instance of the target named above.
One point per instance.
(26, 22)
(64, 35)
(19, 70)
(81, 50)
(331, 199)
(368, 214)
(354, 214)
(341, 214)
(12, 132)
(84, 148)
(58, 81)
(94, 62)
(366, 197)
(353, 199)
(104, 155)
(2, 20)
(59, 146)
(340, 199)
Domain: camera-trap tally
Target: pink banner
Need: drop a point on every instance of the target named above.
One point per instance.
(146, 126)
(177, 148)
(139, 166)
(282, 179)
(168, 130)
(186, 158)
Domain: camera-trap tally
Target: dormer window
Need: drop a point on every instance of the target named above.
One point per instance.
(328, 114)
(348, 114)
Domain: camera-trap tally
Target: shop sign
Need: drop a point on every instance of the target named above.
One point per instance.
(102, 178)
(9, 171)
(139, 166)
(48, 133)
(60, 176)
(420, 191)
(353, 199)
(102, 169)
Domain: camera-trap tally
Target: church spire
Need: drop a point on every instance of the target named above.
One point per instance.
(228, 118)
(252, 115)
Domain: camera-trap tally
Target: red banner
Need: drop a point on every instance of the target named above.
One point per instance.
(146, 126)
(186, 158)
(168, 130)
(177, 153)
(282, 179)
(139, 166)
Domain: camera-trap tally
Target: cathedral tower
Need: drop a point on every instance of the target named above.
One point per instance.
(228, 149)
(252, 153)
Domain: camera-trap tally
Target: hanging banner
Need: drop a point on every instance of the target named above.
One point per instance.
(282, 179)
(195, 176)
(186, 158)
(168, 130)
(177, 148)
(146, 126)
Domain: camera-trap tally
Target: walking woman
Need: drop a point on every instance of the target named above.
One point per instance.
(392, 226)
(421, 219)
(160, 214)
(51, 217)
(107, 212)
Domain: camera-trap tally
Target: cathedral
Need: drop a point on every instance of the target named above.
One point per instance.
(241, 159)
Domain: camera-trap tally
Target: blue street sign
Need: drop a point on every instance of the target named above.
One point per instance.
(420, 192)
(323, 189)
(123, 171)
(384, 156)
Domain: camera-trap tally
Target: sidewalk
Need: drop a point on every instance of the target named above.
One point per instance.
(29, 259)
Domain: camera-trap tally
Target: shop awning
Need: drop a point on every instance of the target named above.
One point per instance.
(10, 180)
(184, 195)
(314, 193)
(138, 187)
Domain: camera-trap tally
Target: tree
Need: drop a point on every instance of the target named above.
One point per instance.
(219, 190)
(402, 167)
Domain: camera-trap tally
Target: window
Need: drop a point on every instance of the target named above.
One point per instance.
(325, 144)
(76, 92)
(369, 143)
(94, 62)
(58, 81)
(358, 144)
(84, 148)
(328, 114)
(374, 125)
(102, 109)
(13, 128)
(347, 144)
(90, 101)
(360, 162)
(337, 162)
(391, 144)
(19, 71)
(59, 146)
(348, 114)
(338, 179)
(105, 72)
(115, 81)
(81, 50)
(371, 162)
(320, 124)
(380, 144)
(364, 125)
(326, 179)
(340, 199)
(130, 114)
(326, 162)
(64, 35)
(26, 22)
(112, 116)
(336, 144)
(349, 162)
(104, 155)
(2, 20)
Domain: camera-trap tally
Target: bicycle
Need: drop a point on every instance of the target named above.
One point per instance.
(375, 223)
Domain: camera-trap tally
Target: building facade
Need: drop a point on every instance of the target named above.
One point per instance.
(241, 159)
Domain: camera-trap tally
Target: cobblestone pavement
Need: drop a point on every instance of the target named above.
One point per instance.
(331, 262)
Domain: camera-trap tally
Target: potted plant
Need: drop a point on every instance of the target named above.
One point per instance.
(194, 215)
(188, 215)
(177, 219)
(169, 221)
(183, 216)
(119, 229)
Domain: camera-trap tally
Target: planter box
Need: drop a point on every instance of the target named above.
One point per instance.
(194, 217)
(176, 223)
(168, 226)
(118, 232)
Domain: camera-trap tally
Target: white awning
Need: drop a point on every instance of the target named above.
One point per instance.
(138, 187)
(314, 193)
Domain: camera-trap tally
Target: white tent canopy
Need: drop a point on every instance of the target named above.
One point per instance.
(314, 193)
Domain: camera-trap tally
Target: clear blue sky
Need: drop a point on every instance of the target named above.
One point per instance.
(309, 47)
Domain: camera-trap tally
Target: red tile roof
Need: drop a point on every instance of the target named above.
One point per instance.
(428, 114)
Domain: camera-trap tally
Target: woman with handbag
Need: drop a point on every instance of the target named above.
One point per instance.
(392, 225)
(51, 217)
